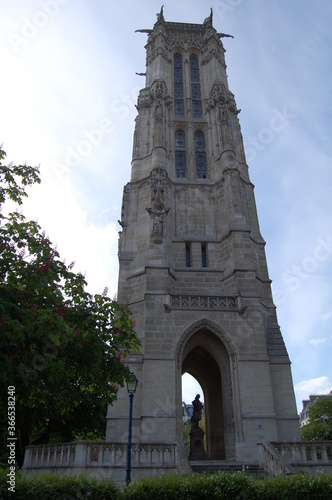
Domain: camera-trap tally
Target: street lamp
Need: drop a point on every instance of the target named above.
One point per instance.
(131, 388)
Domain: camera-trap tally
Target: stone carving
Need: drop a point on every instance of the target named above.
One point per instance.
(218, 95)
(124, 210)
(208, 21)
(232, 107)
(155, 51)
(186, 40)
(225, 100)
(158, 114)
(158, 185)
(158, 209)
(124, 207)
(223, 114)
(218, 302)
(157, 92)
(212, 49)
(158, 220)
(144, 99)
(160, 16)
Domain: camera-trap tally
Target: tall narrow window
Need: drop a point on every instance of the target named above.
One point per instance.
(200, 155)
(204, 259)
(195, 87)
(180, 153)
(188, 260)
(178, 86)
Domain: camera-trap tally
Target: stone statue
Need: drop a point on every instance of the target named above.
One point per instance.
(158, 220)
(196, 433)
(197, 415)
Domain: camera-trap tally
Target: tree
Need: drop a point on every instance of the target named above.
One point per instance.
(62, 349)
(320, 420)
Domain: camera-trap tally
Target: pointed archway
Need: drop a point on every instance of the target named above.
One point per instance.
(205, 357)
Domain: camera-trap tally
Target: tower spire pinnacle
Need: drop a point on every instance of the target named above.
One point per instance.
(209, 20)
(160, 15)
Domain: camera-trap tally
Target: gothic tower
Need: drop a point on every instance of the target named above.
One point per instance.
(192, 263)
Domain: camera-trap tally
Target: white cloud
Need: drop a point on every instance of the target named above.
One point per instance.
(305, 388)
(92, 247)
(325, 317)
(319, 341)
(190, 387)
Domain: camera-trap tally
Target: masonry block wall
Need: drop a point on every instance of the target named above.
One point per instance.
(192, 260)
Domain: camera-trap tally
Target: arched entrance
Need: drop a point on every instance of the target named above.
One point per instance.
(205, 357)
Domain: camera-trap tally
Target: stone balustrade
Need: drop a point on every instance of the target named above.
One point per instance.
(109, 459)
(283, 458)
(82, 454)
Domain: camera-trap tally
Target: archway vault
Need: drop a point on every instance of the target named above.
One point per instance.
(205, 357)
(209, 326)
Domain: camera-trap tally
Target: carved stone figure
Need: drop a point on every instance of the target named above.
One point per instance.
(197, 415)
(158, 220)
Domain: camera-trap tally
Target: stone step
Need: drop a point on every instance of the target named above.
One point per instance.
(211, 466)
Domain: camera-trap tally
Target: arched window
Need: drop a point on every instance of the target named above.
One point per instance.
(178, 86)
(195, 87)
(180, 153)
(200, 155)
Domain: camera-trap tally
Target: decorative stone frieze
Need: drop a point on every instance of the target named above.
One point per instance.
(217, 302)
(185, 40)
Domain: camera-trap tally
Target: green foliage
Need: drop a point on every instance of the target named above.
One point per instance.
(227, 486)
(60, 347)
(55, 487)
(186, 436)
(197, 486)
(320, 421)
(298, 487)
(223, 486)
(15, 179)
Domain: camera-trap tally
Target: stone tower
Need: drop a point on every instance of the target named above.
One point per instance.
(193, 267)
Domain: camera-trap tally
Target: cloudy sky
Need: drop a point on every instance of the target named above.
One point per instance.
(68, 90)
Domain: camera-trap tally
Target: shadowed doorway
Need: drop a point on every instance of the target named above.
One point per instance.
(206, 359)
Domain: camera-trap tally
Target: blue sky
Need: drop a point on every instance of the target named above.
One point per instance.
(68, 91)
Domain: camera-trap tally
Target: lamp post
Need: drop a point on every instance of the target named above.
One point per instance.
(131, 388)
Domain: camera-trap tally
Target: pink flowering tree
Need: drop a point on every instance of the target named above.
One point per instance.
(62, 349)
